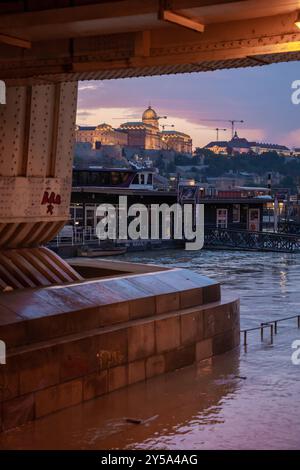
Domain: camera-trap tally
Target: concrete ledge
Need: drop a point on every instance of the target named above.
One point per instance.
(46, 377)
(106, 266)
(72, 343)
(33, 315)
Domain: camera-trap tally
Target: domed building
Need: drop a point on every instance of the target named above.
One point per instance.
(150, 117)
(143, 134)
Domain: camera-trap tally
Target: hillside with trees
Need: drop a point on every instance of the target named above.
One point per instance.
(269, 162)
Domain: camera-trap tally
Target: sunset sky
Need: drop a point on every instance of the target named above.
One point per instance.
(261, 96)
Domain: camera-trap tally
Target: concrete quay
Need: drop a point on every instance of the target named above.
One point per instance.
(122, 324)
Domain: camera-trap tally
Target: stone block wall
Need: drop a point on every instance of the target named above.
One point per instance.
(78, 342)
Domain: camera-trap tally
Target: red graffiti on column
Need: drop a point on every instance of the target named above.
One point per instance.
(51, 200)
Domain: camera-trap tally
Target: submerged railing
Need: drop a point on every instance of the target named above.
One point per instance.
(272, 325)
(247, 240)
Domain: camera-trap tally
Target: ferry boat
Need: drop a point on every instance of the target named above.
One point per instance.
(114, 178)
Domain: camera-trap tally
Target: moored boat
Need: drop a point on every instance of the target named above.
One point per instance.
(97, 252)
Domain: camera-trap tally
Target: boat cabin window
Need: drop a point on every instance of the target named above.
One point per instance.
(100, 178)
(221, 218)
(236, 213)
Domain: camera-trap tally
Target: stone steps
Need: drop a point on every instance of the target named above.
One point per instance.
(218, 306)
(33, 315)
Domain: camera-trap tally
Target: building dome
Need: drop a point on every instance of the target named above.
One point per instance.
(150, 117)
(149, 114)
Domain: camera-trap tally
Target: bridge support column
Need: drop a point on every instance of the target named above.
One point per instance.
(36, 153)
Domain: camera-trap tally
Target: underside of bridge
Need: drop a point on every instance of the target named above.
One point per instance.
(51, 41)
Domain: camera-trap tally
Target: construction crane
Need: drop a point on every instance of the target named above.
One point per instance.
(216, 129)
(232, 122)
(163, 126)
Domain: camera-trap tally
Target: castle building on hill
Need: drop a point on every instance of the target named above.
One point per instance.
(238, 145)
(144, 134)
(178, 141)
(103, 134)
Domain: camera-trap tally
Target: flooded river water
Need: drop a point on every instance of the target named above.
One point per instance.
(240, 400)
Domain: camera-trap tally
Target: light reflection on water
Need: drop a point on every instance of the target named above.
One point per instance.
(238, 400)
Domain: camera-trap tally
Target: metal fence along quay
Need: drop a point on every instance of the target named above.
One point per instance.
(271, 325)
(246, 240)
(216, 238)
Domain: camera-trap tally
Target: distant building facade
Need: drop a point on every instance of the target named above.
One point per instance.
(144, 134)
(178, 141)
(239, 145)
(296, 152)
(104, 134)
(218, 147)
(260, 148)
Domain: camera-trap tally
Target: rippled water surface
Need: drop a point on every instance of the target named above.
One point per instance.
(243, 399)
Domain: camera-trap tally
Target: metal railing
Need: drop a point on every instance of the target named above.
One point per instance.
(272, 325)
(213, 238)
(247, 240)
(76, 236)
